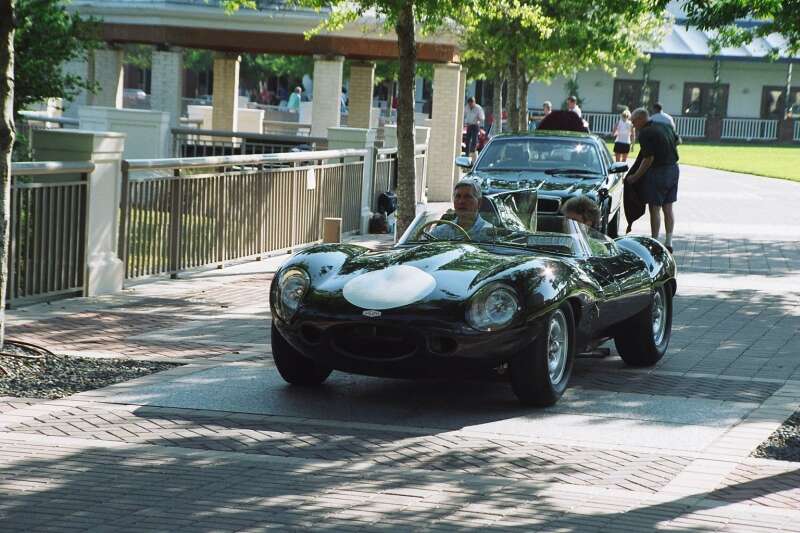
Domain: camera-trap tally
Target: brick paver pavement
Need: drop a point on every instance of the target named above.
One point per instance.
(97, 463)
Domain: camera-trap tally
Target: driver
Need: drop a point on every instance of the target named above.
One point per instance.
(466, 200)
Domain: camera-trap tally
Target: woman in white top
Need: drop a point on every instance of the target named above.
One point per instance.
(623, 136)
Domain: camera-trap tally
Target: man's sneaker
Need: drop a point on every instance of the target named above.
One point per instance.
(669, 248)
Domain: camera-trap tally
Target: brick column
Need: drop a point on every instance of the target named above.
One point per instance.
(443, 149)
(327, 94)
(108, 74)
(166, 83)
(226, 92)
(462, 89)
(362, 82)
(104, 269)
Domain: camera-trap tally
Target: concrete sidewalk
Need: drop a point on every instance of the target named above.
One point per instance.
(223, 444)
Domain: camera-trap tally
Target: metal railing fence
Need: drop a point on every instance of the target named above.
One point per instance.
(47, 247)
(690, 127)
(748, 129)
(178, 214)
(384, 178)
(193, 142)
(796, 134)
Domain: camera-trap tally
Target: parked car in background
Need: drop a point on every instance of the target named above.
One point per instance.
(525, 297)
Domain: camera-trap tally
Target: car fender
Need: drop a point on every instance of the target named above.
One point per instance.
(659, 262)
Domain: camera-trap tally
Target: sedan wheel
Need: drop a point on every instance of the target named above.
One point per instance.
(540, 376)
(642, 340)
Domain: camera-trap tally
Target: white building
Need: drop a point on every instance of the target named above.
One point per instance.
(681, 76)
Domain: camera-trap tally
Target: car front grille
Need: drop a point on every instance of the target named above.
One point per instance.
(373, 341)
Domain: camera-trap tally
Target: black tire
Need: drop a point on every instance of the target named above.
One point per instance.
(531, 377)
(294, 367)
(638, 341)
(613, 226)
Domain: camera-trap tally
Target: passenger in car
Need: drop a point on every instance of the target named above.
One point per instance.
(466, 202)
(582, 209)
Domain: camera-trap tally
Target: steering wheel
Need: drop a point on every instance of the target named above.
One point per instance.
(425, 226)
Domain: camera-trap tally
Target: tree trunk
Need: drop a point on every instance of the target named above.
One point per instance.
(513, 97)
(406, 177)
(497, 105)
(522, 95)
(7, 19)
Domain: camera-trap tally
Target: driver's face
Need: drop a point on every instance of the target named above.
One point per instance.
(464, 202)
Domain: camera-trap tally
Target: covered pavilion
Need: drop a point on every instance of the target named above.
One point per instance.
(274, 28)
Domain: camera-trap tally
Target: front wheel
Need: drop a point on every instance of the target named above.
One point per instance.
(642, 340)
(540, 376)
(294, 367)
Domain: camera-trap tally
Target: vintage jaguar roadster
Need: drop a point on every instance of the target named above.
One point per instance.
(536, 291)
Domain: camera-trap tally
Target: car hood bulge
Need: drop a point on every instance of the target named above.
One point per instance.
(433, 272)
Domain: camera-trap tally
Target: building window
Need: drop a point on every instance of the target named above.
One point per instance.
(628, 93)
(773, 103)
(697, 99)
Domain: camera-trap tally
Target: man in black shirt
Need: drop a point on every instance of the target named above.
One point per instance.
(658, 154)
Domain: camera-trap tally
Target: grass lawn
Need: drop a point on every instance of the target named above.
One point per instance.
(771, 161)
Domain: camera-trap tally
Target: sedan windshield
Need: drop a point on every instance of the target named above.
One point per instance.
(555, 156)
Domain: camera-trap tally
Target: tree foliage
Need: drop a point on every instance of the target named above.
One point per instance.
(47, 36)
(740, 21)
(539, 40)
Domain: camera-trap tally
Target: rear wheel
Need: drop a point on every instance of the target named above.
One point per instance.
(294, 367)
(642, 340)
(540, 376)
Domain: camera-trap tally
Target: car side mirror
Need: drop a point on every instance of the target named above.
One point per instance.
(463, 162)
(618, 167)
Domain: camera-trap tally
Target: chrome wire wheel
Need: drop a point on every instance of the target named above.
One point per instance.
(557, 346)
(659, 316)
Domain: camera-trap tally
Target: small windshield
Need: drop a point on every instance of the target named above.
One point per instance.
(544, 155)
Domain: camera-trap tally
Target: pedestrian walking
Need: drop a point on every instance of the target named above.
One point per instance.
(473, 118)
(294, 100)
(623, 136)
(661, 116)
(572, 105)
(658, 168)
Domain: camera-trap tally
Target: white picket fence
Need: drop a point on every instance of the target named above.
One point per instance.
(748, 129)
(690, 127)
(601, 123)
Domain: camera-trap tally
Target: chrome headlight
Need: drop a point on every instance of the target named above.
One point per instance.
(493, 308)
(292, 287)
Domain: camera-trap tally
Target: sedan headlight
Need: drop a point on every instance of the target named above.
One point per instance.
(292, 287)
(492, 308)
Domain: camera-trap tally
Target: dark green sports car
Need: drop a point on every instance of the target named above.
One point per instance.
(559, 165)
(525, 295)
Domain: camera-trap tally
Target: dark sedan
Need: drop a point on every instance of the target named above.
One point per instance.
(559, 165)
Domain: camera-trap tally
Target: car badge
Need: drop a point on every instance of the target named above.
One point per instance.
(371, 313)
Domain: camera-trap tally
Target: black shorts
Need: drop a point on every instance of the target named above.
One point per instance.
(661, 185)
(622, 148)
